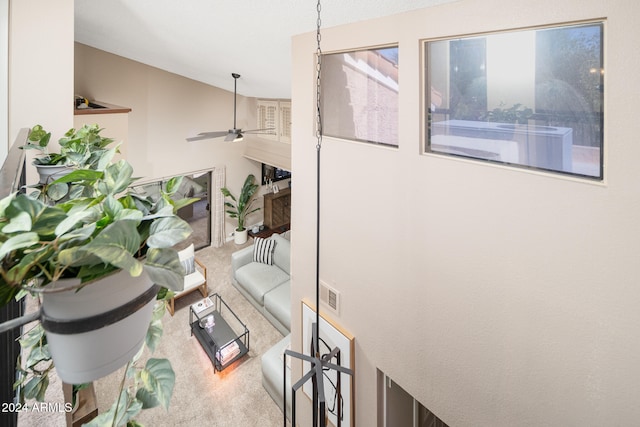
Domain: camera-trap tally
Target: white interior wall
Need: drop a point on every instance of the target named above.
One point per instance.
(495, 296)
(4, 77)
(40, 66)
(165, 109)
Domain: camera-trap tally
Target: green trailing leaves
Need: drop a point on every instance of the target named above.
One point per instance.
(115, 245)
(71, 221)
(44, 219)
(123, 410)
(154, 334)
(111, 206)
(173, 184)
(148, 387)
(19, 241)
(20, 222)
(23, 203)
(167, 232)
(56, 191)
(80, 175)
(117, 177)
(36, 388)
(164, 268)
(180, 203)
(6, 202)
(158, 380)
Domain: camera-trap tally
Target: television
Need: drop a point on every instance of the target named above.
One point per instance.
(274, 174)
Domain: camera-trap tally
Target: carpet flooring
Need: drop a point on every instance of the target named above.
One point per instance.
(233, 397)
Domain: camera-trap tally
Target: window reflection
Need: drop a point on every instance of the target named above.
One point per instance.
(360, 95)
(530, 98)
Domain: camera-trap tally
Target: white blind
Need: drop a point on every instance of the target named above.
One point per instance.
(268, 116)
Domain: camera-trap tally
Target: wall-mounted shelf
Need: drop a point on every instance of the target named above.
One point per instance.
(99, 107)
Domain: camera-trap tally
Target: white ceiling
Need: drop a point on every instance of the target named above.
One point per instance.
(207, 40)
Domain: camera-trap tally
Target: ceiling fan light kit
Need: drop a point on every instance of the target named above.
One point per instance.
(234, 134)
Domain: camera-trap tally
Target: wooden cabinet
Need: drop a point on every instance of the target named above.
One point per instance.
(277, 208)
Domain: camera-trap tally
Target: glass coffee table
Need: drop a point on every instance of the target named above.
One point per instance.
(226, 339)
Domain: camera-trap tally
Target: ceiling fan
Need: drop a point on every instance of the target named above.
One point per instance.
(234, 134)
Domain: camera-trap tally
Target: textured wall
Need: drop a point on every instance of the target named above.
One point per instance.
(495, 296)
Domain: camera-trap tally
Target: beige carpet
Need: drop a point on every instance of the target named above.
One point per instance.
(234, 397)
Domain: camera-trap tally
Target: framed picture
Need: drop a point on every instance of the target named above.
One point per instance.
(331, 336)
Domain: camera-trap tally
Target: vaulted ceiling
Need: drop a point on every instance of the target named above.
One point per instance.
(207, 40)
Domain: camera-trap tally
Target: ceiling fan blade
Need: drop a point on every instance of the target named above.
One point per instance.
(207, 135)
(233, 134)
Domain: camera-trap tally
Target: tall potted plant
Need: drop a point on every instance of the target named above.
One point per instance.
(241, 207)
(97, 261)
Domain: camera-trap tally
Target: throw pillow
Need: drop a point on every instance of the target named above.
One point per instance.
(263, 250)
(187, 259)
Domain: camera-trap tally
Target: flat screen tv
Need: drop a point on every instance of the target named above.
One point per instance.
(274, 174)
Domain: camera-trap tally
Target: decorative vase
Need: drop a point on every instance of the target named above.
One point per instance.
(240, 237)
(49, 173)
(93, 331)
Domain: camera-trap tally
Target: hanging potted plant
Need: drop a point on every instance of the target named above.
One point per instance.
(82, 148)
(241, 207)
(88, 256)
(97, 261)
(49, 165)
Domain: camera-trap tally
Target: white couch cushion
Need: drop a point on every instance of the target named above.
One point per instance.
(282, 253)
(191, 281)
(257, 279)
(278, 303)
(272, 380)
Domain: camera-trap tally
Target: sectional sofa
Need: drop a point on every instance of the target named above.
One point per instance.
(261, 272)
(263, 278)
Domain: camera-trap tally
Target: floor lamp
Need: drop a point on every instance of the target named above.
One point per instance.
(319, 363)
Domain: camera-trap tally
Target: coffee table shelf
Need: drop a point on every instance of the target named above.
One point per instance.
(228, 340)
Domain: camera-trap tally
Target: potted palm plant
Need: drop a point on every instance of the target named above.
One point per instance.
(241, 207)
(97, 261)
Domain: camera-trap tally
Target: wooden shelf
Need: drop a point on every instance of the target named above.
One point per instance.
(108, 109)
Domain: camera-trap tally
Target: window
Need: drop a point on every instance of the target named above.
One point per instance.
(276, 116)
(198, 214)
(530, 98)
(268, 118)
(360, 95)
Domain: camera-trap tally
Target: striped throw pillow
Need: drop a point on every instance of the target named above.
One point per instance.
(187, 259)
(263, 250)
